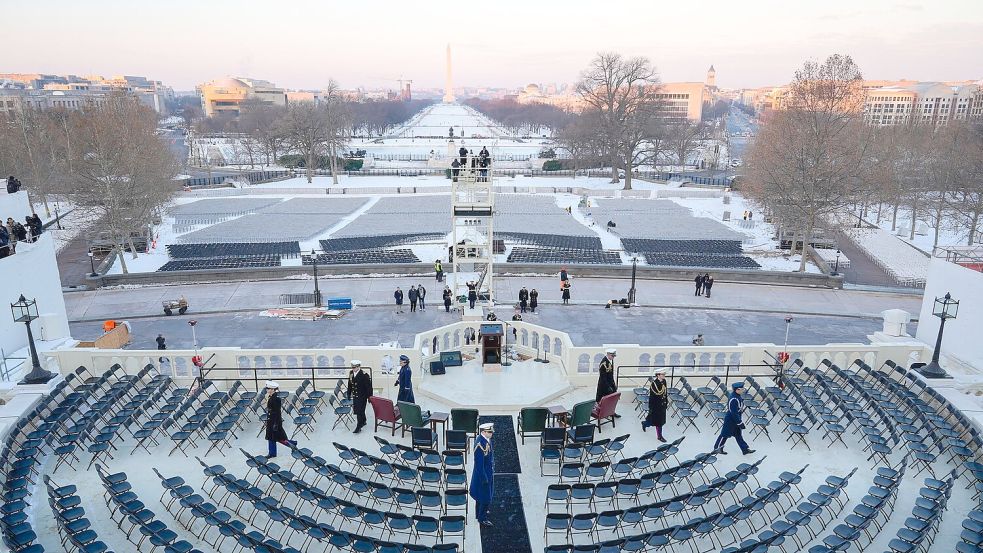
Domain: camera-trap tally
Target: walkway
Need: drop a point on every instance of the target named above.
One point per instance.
(862, 270)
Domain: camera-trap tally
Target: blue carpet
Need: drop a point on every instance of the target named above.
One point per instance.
(509, 533)
(504, 444)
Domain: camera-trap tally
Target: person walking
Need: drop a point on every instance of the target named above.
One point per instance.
(439, 269)
(566, 293)
(523, 299)
(421, 294)
(414, 296)
(483, 473)
(472, 293)
(606, 383)
(533, 300)
(733, 423)
(161, 342)
(658, 403)
(405, 381)
(398, 294)
(707, 283)
(699, 285)
(275, 434)
(360, 389)
(447, 299)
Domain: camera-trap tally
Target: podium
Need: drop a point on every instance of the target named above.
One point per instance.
(491, 337)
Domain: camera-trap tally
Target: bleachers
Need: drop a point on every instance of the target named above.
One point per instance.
(561, 256)
(691, 247)
(357, 243)
(241, 262)
(387, 256)
(552, 240)
(233, 249)
(665, 259)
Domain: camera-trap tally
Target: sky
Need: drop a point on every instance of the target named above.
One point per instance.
(504, 43)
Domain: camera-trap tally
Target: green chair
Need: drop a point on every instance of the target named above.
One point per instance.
(581, 413)
(532, 421)
(412, 416)
(466, 420)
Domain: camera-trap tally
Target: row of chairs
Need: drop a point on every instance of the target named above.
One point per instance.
(920, 529)
(689, 472)
(396, 473)
(577, 445)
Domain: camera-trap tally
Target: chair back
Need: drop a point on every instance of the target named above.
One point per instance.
(581, 413)
(607, 406)
(383, 408)
(554, 437)
(465, 419)
(456, 440)
(423, 437)
(584, 433)
(411, 413)
(533, 419)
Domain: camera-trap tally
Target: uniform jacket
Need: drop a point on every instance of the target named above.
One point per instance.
(274, 419)
(483, 472)
(733, 420)
(359, 386)
(605, 381)
(405, 383)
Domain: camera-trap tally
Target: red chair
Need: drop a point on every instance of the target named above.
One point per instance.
(385, 412)
(605, 409)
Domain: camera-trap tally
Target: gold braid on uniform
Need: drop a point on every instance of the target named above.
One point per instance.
(484, 448)
(656, 390)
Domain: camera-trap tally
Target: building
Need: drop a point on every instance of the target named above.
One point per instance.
(927, 103)
(684, 99)
(226, 95)
(37, 91)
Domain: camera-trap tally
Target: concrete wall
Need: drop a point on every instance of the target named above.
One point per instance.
(962, 335)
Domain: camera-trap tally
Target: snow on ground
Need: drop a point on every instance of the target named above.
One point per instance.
(953, 232)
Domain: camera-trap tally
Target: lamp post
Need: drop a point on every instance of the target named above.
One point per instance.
(836, 267)
(25, 311)
(92, 264)
(945, 308)
(631, 291)
(783, 357)
(194, 335)
(317, 291)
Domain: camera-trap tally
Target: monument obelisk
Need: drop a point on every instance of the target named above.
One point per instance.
(448, 85)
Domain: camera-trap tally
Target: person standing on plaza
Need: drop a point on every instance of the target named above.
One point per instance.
(413, 296)
(472, 293)
(564, 277)
(439, 269)
(161, 342)
(733, 423)
(447, 299)
(707, 283)
(606, 384)
(398, 294)
(483, 473)
(360, 389)
(566, 293)
(699, 285)
(421, 294)
(405, 381)
(523, 299)
(658, 403)
(274, 419)
(533, 300)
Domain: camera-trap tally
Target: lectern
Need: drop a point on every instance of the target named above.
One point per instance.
(492, 338)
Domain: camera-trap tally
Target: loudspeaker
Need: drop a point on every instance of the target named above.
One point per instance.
(436, 367)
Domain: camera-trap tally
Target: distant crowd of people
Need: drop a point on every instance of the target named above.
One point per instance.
(13, 231)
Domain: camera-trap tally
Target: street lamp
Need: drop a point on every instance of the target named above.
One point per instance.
(783, 357)
(631, 292)
(317, 291)
(25, 311)
(945, 308)
(194, 335)
(92, 264)
(836, 267)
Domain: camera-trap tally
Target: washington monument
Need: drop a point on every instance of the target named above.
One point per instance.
(448, 85)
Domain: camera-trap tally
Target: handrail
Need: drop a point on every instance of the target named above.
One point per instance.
(671, 371)
(206, 374)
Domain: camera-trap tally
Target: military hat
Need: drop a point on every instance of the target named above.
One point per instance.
(356, 363)
(272, 384)
(404, 358)
(611, 351)
(660, 371)
(737, 385)
(489, 427)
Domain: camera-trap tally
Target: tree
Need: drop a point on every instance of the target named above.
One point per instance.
(580, 139)
(810, 160)
(623, 93)
(263, 121)
(305, 127)
(681, 137)
(120, 169)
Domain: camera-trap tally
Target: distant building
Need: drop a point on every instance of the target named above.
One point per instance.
(684, 100)
(38, 91)
(927, 103)
(226, 95)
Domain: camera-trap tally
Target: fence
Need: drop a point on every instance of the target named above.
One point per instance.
(254, 177)
(256, 376)
(728, 371)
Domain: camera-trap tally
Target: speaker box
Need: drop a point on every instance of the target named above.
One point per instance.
(436, 367)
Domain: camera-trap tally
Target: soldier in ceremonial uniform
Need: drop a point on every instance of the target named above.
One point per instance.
(605, 380)
(405, 380)
(483, 473)
(733, 424)
(359, 388)
(658, 403)
(274, 420)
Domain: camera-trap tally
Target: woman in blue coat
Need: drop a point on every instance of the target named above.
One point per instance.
(733, 423)
(483, 473)
(405, 381)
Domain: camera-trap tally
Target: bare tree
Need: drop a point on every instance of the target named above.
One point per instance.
(623, 92)
(307, 132)
(809, 160)
(682, 138)
(968, 195)
(120, 168)
(264, 122)
(580, 139)
(338, 116)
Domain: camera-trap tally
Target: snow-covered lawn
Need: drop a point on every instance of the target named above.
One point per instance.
(902, 261)
(953, 232)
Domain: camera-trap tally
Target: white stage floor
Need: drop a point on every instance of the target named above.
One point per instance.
(524, 383)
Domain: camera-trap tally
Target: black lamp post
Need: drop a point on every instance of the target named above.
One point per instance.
(317, 291)
(836, 267)
(945, 308)
(92, 264)
(25, 311)
(631, 291)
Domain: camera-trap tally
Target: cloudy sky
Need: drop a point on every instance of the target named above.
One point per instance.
(301, 44)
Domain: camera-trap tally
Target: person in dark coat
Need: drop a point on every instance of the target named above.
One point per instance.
(699, 285)
(707, 283)
(421, 294)
(447, 299)
(658, 403)
(413, 295)
(455, 169)
(523, 299)
(606, 383)
(463, 152)
(405, 381)
(398, 294)
(274, 420)
(360, 389)
(35, 225)
(483, 473)
(733, 423)
(13, 185)
(564, 277)
(161, 342)
(472, 293)
(566, 293)
(4, 242)
(533, 300)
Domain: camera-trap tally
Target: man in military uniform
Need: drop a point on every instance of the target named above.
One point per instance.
(605, 380)
(733, 424)
(359, 388)
(483, 473)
